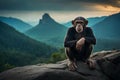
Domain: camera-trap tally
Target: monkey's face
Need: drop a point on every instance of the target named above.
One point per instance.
(79, 22)
(79, 28)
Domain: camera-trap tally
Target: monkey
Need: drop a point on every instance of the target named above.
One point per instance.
(79, 42)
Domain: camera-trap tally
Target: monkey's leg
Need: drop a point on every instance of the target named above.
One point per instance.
(70, 55)
(88, 51)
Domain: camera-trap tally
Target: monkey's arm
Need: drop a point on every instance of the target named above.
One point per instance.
(69, 39)
(90, 38)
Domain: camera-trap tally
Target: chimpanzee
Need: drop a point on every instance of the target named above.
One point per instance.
(79, 42)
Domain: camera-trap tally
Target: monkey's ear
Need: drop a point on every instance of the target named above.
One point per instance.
(72, 22)
(86, 22)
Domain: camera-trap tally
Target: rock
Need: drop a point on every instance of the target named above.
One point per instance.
(110, 65)
(44, 72)
(107, 68)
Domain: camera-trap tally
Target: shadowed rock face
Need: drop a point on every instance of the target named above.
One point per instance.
(107, 68)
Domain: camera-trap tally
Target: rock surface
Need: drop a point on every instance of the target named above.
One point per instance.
(107, 68)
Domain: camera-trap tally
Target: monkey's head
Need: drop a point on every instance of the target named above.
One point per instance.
(79, 20)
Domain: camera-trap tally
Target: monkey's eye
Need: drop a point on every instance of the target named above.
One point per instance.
(79, 22)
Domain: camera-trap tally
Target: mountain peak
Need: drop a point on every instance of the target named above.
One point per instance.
(46, 18)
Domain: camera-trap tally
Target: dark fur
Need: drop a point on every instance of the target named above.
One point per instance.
(70, 44)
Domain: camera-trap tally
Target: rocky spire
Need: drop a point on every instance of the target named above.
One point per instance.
(46, 19)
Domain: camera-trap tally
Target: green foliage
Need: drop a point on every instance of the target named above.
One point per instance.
(57, 56)
(12, 58)
(6, 67)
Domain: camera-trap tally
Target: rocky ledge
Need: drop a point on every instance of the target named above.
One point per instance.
(107, 68)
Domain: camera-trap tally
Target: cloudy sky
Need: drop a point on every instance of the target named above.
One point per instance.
(60, 10)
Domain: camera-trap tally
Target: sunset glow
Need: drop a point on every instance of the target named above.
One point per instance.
(107, 8)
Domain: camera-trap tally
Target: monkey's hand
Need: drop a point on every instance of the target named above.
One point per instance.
(80, 43)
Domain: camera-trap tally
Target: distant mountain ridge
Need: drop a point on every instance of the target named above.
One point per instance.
(107, 33)
(17, 49)
(48, 31)
(94, 20)
(91, 21)
(10, 38)
(108, 28)
(18, 24)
